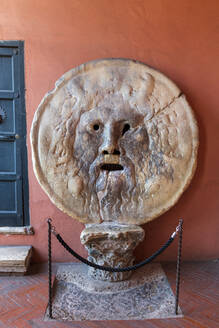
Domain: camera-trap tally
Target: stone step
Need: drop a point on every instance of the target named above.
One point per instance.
(15, 259)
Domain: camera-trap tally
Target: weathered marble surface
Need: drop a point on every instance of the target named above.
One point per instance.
(111, 244)
(145, 295)
(26, 230)
(14, 259)
(114, 141)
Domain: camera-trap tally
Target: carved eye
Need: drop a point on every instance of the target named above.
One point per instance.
(96, 127)
(125, 128)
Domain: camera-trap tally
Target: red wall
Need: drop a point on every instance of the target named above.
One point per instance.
(181, 39)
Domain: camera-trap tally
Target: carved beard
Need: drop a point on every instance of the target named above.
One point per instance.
(110, 186)
(108, 192)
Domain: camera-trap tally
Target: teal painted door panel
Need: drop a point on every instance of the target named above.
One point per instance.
(13, 159)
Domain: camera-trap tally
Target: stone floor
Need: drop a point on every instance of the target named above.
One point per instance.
(23, 301)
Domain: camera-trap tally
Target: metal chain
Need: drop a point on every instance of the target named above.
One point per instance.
(50, 267)
(178, 268)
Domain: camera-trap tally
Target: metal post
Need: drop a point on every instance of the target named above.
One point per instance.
(178, 268)
(49, 268)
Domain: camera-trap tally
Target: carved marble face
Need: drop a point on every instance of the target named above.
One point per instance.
(110, 140)
(115, 141)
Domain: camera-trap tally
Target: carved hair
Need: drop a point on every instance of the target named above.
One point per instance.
(78, 100)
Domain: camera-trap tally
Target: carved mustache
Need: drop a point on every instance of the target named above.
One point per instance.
(109, 163)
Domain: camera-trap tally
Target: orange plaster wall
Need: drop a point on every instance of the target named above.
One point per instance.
(179, 38)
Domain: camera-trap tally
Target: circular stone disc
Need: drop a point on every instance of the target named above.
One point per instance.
(114, 141)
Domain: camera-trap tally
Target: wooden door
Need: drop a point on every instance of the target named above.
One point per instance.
(13, 159)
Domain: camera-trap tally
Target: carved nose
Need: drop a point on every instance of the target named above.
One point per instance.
(111, 151)
(110, 145)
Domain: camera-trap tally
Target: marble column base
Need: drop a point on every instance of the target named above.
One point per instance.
(146, 295)
(111, 244)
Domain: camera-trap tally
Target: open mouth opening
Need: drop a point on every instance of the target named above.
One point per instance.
(111, 167)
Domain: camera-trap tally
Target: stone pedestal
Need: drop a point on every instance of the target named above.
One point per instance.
(111, 244)
(146, 295)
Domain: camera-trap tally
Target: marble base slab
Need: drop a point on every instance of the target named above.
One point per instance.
(15, 260)
(146, 295)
